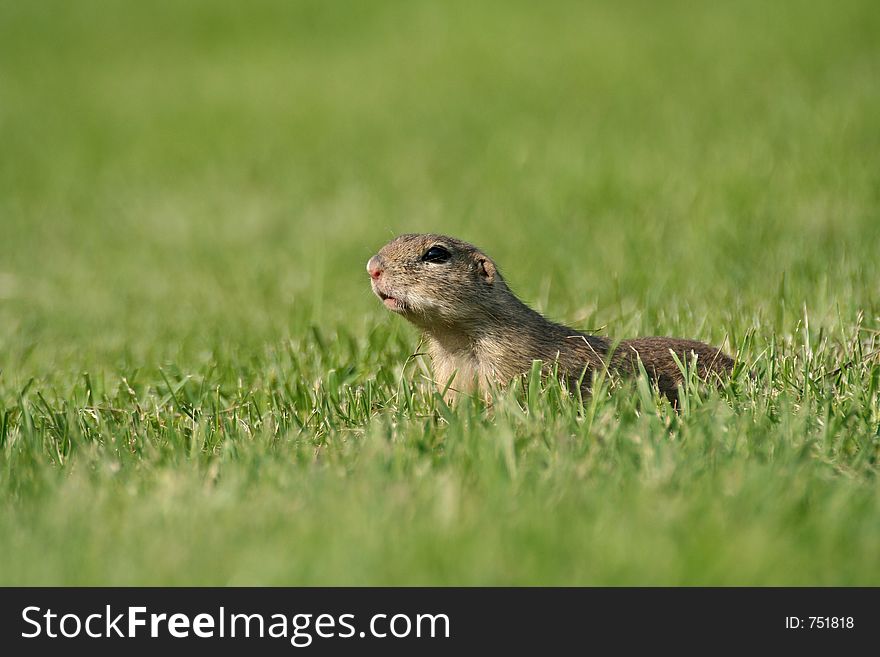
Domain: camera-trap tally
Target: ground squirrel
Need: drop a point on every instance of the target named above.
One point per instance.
(480, 333)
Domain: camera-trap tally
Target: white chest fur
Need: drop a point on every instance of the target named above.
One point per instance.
(454, 361)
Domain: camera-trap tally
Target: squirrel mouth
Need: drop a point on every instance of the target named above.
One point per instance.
(391, 303)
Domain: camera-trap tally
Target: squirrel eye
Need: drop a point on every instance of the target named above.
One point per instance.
(436, 254)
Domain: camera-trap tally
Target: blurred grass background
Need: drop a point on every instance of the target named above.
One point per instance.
(189, 192)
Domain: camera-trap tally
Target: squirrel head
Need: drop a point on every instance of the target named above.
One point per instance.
(435, 280)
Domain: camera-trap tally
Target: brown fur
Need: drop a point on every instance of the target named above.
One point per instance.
(479, 332)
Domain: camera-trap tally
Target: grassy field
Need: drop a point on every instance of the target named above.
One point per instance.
(197, 386)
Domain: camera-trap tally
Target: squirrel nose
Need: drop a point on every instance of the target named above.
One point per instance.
(374, 267)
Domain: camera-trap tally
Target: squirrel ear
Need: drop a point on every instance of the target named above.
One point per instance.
(486, 268)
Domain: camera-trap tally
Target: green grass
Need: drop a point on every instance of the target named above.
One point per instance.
(197, 386)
